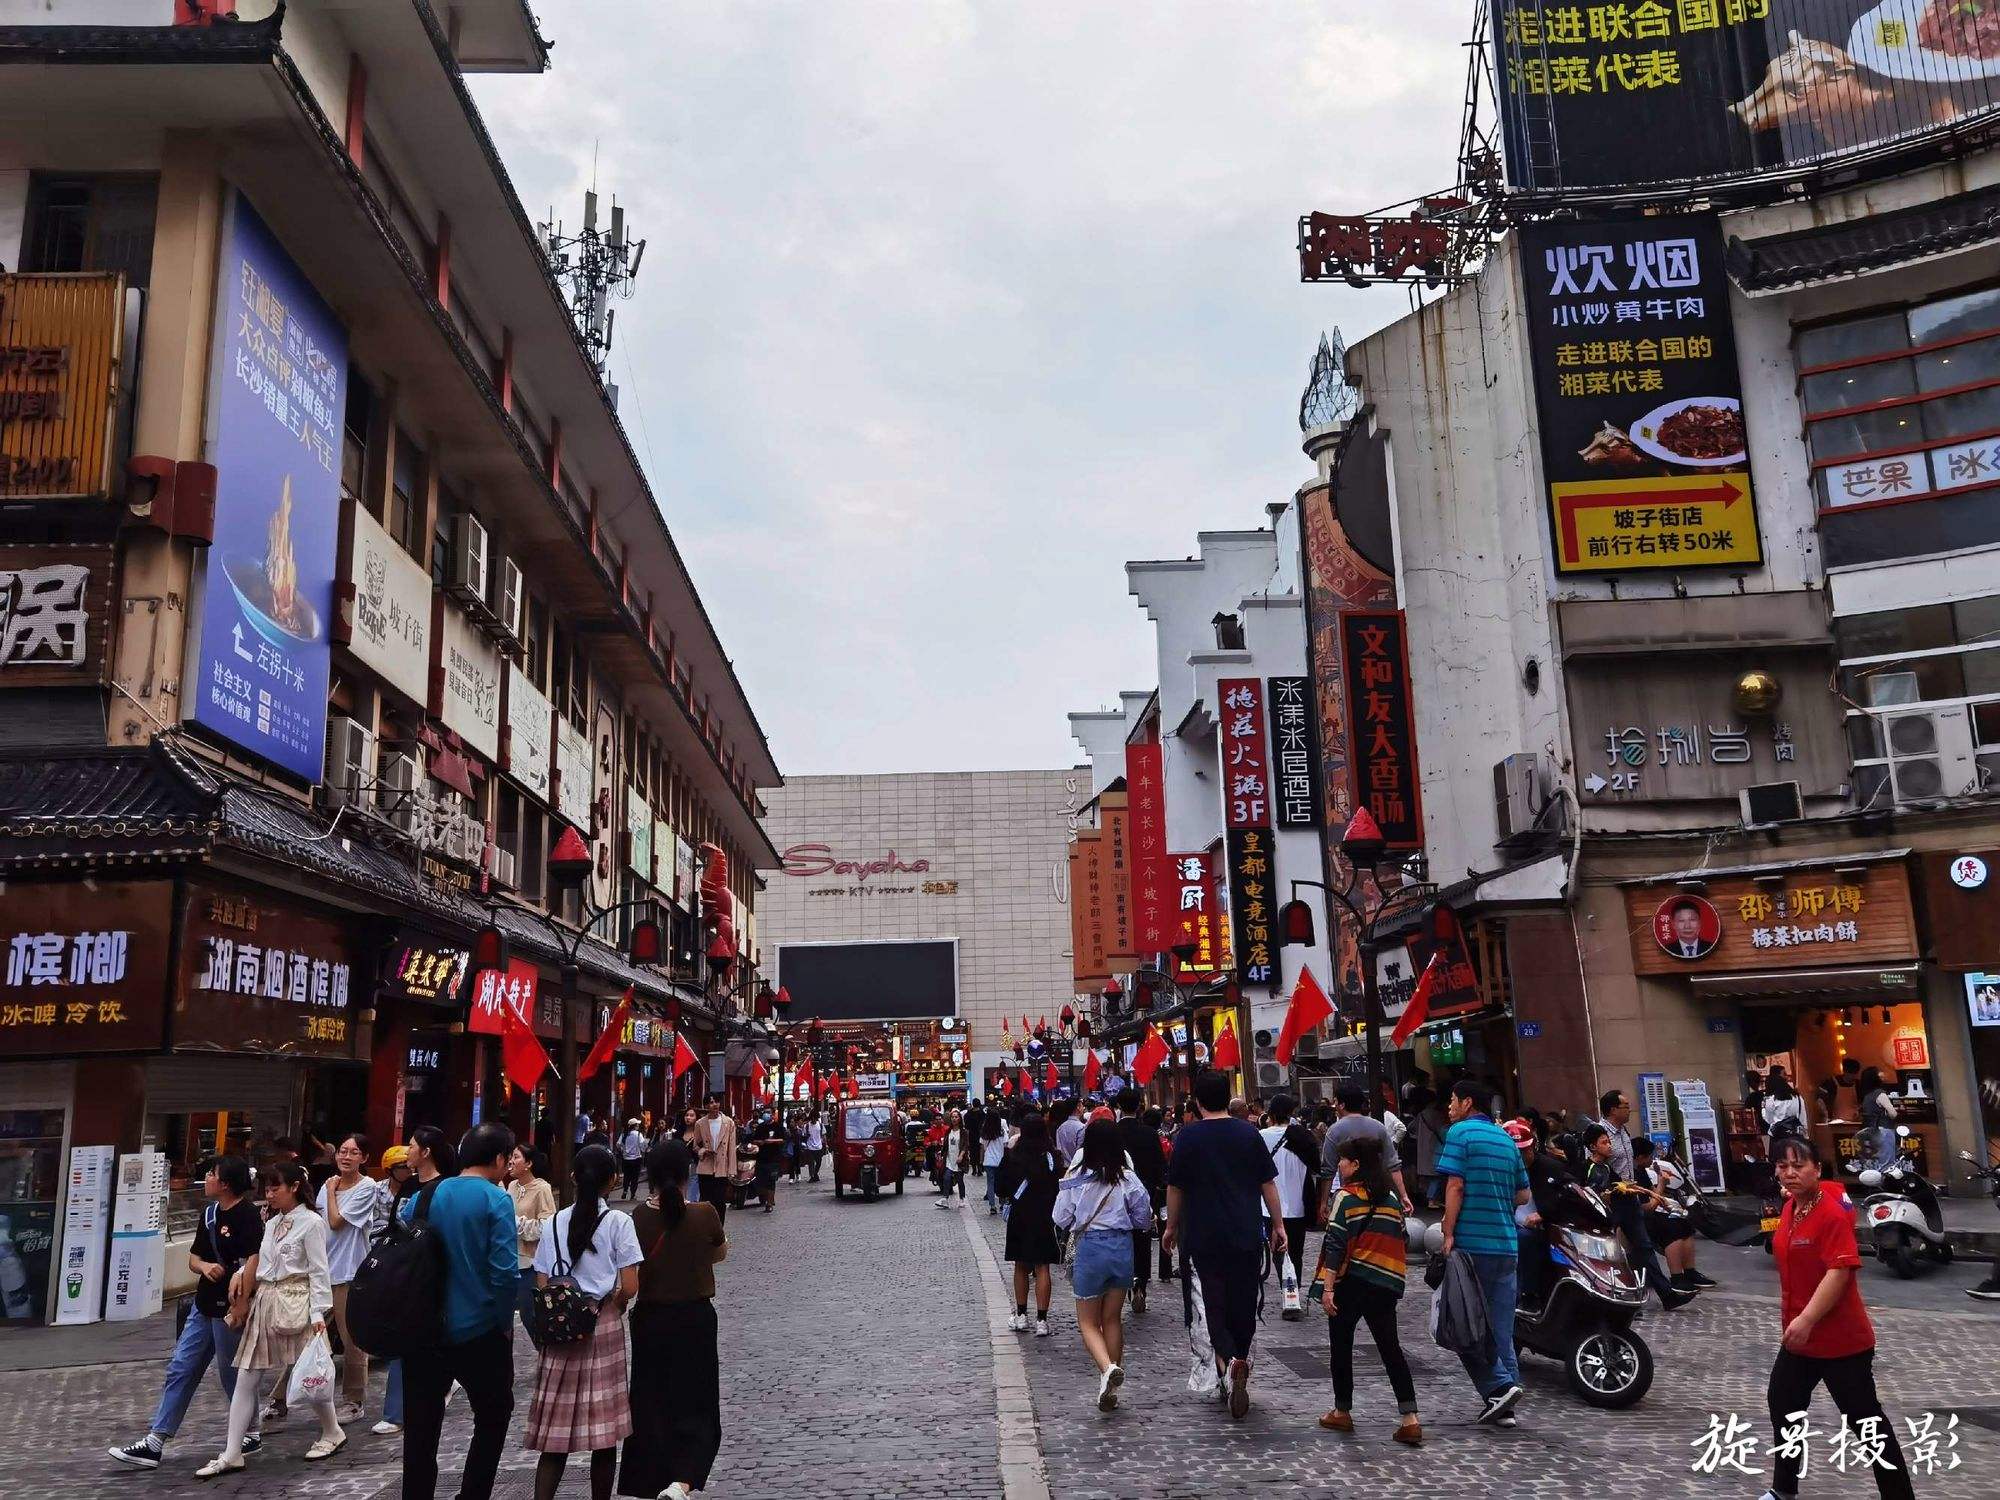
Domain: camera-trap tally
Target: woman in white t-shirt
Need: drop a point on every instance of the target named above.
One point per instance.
(582, 1401)
(356, 1208)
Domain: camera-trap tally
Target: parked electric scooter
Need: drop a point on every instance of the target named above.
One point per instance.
(1989, 1289)
(1902, 1215)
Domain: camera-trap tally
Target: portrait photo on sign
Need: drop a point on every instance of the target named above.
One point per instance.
(1687, 927)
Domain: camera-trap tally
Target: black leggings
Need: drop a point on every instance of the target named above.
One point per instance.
(1850, 1381)
(1356, 1301)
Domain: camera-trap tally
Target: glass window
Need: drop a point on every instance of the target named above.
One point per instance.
(1955, 416)
(1871, 786)
(1866, 432)
(1986, 723)
(1976, 620)
(1961, 364)
(1969, 313)
(1982, 670)
(1856, 339)
(1864, 737)
(1859, 385)
(1891, 683)
(536, 644)
(1924, 628)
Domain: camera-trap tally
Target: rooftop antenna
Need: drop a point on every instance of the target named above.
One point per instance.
(591, 268)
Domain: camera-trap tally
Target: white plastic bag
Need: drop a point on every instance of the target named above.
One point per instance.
(313, 1376)
(1203, 1378)
(1293, 1308)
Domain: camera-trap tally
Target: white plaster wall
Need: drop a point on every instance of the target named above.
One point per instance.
(1102, 735)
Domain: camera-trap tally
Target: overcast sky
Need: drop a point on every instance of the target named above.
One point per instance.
(950, 308)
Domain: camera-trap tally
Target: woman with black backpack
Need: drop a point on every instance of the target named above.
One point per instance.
(1029, 1176)
(586, 1271)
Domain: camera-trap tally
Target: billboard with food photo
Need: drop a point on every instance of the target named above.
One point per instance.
(1640, 407)
(278, 373)
(1618, 98)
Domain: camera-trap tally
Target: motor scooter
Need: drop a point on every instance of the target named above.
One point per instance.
(1591, 1296)
(1902, 1215)
(1989, 1289)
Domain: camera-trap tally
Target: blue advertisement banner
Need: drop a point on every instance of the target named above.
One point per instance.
(278, 404)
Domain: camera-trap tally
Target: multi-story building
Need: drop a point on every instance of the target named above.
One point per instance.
(334, 595)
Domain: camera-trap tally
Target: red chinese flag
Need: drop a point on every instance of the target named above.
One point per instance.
(1420, 1000)
(684, 1057)
(1309, 1007)
(1050, 1077)
(1092, 1073)
(521, 1052)
(1027, 1083)
(1227, 1053)
(1152, 1052)
(853, 1088)
(607, 1041)
(803, 1079)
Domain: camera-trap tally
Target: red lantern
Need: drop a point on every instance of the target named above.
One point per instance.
(570, 863)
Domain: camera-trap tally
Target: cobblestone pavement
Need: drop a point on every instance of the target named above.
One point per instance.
(857, 1362)
(1712, 1358)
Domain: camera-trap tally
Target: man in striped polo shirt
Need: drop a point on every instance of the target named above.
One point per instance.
(1484, 1181)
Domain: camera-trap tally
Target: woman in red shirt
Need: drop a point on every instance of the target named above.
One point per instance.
(1828, 1337)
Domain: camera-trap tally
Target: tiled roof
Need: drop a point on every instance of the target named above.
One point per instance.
(1870, 244)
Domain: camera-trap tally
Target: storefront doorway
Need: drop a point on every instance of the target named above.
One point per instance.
(1832, 1047)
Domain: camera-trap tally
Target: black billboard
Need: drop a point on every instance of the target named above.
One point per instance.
(869, 981)
(1645, 457)
(1253, 883)
(1295, 788)
(1609, 97)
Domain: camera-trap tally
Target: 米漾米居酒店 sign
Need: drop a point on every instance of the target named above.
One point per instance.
(1644, 451)
(1639, 96)
(61, 341)
(1295, 769)
(278, 373)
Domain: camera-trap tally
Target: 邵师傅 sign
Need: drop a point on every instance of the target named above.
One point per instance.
(61, 340)
(1809, 917)
(279, 376)
(55, 610)
(1637, 396)
(1646, 94)
(1252, 876)
(385, 605)
(526, 749)
(85, 968)
(465, 680)
(1382, 725)
(261, 975)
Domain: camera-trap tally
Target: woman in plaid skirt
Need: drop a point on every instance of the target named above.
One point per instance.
(582, 1400)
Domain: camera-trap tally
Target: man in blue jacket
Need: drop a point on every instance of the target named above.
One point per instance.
(475, 1220)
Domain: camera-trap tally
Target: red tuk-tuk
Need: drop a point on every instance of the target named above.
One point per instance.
(867, 1147)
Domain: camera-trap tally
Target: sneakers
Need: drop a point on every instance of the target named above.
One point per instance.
(1673, 1299)
(386, 1428)
(1139, 1298)
(252, 1443)
(1692, 1280)
(1042, 1329)
(348, 1413)
(1239, 1388)
(1017, 1322)
(944, 1203)
(1107, 1388)
(1500, 1403)
(144, 1454)
(1987, 1290)
(1510, 1420)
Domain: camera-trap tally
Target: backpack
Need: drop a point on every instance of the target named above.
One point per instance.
(559, 1313)
(395, 1304)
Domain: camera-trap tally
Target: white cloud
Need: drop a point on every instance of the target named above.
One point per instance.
(950, 308)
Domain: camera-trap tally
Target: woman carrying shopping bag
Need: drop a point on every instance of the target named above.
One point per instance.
(291, 1296)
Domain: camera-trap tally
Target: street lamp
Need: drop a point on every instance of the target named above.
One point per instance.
(1363, 845)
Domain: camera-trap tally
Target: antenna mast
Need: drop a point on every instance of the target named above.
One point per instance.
(592, 268)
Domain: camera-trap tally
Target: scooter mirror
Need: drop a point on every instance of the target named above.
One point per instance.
(1871, 1178)
(1968, 1156)
(1903, 1130)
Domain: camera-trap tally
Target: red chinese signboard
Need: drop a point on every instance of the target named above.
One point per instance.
(1246, 764)
(1384, 730)
(513, 986)
(1194, 916)
(1115, 822)
(1153, 917)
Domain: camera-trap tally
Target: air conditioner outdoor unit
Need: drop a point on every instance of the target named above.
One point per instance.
(511, 601)
(397, 793)
(1519, 791)
(1771, 802)
(1316, 1090)
(465, 578)
(350, 762)
(1930, 754)
(1270, 1075)
(1265, 1043)
(503, 867)
(1307, 1048)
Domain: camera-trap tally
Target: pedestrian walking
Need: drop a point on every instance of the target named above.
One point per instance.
(534, 1201)
(226, 1235)
(1295, 1154)
(1029, 1177)
(1431, 1123)
(631, 1157)
(290, 1296)
(413, 1169)
(356, 1208)
(813, 1143)
(974, 1124)
(1141, 1141)
(1216, 1177)
(1484, 1182)
(1363, 1262)
(1783, 1111)
(1102, 1203)
(715, 1155)
(676, 1366)
(1828, 1337)
(771, 1142)
(951, 1158)
(1353, 1122)
(992, 1151)
(1067, 1123)
(478, 1241)
(582, 1401)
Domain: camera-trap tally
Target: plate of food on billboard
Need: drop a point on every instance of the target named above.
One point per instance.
(1704, 432)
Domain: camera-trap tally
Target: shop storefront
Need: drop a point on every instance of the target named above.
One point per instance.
(1961, 890)
(1814, 969)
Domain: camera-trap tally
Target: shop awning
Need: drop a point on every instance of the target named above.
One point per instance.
(1771, 867)
(1795, 984)
(1827, 253)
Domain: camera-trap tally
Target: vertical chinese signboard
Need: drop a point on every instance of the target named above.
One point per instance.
(1385, 734)
(1251, 874)
(61, 337)
(1192, 892)
(1295, 788)
(1115, 821)
(1246, 787)
(1153, 915)
(1637, 396)
(1088, 904)
(1246, 772)
(258, 677)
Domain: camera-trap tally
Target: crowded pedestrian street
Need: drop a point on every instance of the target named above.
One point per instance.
(865, 1354)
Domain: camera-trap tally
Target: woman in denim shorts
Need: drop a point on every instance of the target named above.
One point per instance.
(1102, 1203)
